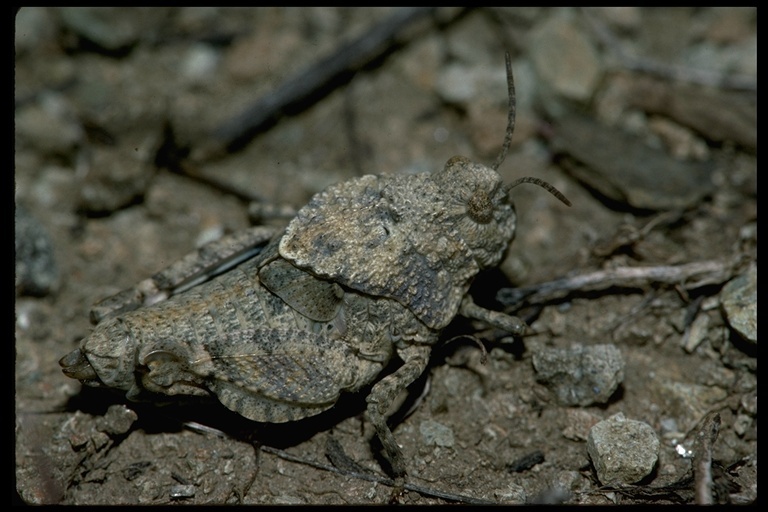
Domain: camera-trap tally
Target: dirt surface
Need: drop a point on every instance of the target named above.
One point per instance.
(644, 119)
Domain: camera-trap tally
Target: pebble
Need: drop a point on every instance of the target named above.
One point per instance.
(115, 178)
(200, 63)
(621, 167)
(513, 493)
(718, 117)
(463, 83)
(47, 126)
(34, 27)
(697, 333)
(37, 273)
(623, 451)
(109, 29)
(436, 434)
(117, 421)
(580, 375)
(739, 300)
(565, 59)
(181, 492)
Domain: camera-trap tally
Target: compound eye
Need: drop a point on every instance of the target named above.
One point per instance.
(480, 207)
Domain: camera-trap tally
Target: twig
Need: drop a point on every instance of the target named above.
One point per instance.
(702, 453)
(692, 275)
(372, 477)
(313, 82)
(368, 476)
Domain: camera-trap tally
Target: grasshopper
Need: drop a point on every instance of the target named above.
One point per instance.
(371, 268)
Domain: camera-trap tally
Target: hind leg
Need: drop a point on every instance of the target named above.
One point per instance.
(382, 397)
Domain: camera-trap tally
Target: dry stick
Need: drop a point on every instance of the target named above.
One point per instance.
(692, 275)
(702, 453)
(312, 83)
(315, 81)
(369, 477)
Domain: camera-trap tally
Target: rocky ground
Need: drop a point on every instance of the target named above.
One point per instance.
(144, 133)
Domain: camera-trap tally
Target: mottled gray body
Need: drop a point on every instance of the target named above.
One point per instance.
(371, 267)
(234, 338)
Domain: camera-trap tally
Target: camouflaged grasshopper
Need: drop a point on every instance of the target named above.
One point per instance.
(370, 268)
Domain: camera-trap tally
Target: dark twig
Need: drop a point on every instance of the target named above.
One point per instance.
(368, 475)
(372, 477)
(702, 453)
(691, 275)
(313, 82)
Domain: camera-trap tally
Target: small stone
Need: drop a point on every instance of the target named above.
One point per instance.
(436, 434)
(118, 420)
(621, 167)
(739, 300)
(200, 63)
(622, 451)
(116, 177)
(47, 126)
(455, 84)
(182, 492)
(742, 424)
(696, 334)
(512, 493)
(36, 271)
(110, 29)
(580, 375)
(622, 18)
(565, 59)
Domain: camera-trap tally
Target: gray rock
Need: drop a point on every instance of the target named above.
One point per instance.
(180, 492)
(47, 126)
(718, 117)
(739, 300)
(580, 375)
(115, 179)
(435, 433)
(565, 59)
(34, 27)
(621, 167)
(623, 451)
(118, 420)
(36, 270)
(111, 29)
(461, 83)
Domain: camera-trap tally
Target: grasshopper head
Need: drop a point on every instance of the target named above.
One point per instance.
(478, 208)
(478, 199)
